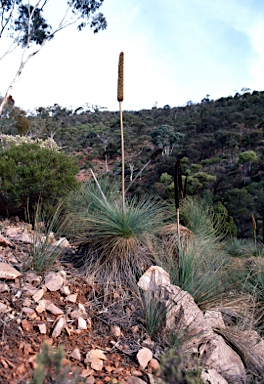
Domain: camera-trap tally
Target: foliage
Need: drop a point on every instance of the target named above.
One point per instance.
(215, 134)
(245, 157)
(166, 137)
(29, 173)
(43, 250)
(50, 368)
(175, 369)
(197, 265)
(32, 27)
(116, 244)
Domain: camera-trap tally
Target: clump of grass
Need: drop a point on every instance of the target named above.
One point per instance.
(117, 244)
(43, 251)
(197, 264)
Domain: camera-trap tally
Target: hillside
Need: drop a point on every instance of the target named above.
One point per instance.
(220, 144)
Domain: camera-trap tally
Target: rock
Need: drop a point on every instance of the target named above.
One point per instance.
(4, 288)
(53, 281)
(154, 366)
(76, 354)
(97, 364)
(5, 242)
(60, 325)
(38, 295)
(211, 376)
(3, 308)
(42, 328)
(72, 298)
(223, 358)
(135, 380)
(65, 290)
(81, 323)
(49, 306)
(12, 232)
(215, 319)
(32, 278)
(62, 242)
(144, 355)
(154, 277)
(96, 354)
(183, 314)
(25, 238)
(8, 272)
(90, 380)
(116, 331)
(29, 312)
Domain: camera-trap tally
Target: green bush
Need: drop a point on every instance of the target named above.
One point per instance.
(29, 173)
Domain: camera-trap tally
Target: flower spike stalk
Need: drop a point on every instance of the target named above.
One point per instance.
(120, 98)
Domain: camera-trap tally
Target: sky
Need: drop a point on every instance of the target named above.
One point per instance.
(175, 51)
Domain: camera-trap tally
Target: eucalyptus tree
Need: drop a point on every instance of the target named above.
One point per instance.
(25, 24)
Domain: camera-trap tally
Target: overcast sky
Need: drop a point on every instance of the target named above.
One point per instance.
(175, 51)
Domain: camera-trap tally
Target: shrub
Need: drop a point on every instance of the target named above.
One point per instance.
(29, 173)
(50, 368)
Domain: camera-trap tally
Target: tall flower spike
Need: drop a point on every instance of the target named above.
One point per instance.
(120, 82)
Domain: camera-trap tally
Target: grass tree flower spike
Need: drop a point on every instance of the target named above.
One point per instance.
(120, 98)
(120, 83)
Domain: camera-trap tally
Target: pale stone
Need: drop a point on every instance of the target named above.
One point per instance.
(65, 290)
(32, 278)
(3, 308)
(135, 372)
(144, 355)
(29, 312)
(8, 272)
(82, 310)
(76, 354)
(25, 238)
(49, 306)
(62, 242)
(96, 354)
(215, 319)
(38, 295)
(154, 277)
(97, 364)
(12, 232)
(53, 281)
(5, 242)
(60, 325)
(90, 380)
(82, 323)
(75, 314)
(87, 372)
(211, 376)
(40, 309)
(42, 328)
(4, 288)
(72, 298)
(116, 331)
(223, 358)
(154, 366)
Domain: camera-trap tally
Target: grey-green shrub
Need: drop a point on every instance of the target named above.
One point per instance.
(30, 173)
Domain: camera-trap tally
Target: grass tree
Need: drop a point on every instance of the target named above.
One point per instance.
(116, 243)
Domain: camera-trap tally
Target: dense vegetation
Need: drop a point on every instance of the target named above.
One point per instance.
(220, 144)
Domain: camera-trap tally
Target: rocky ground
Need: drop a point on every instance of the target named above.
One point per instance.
(102, 334)
(103, 331)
